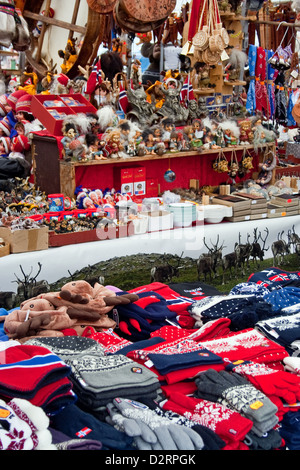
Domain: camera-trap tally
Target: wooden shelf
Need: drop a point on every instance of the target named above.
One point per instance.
(236, 83)
(167, 155)
(204, 91)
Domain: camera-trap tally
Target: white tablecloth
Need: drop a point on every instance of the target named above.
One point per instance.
(59, 261)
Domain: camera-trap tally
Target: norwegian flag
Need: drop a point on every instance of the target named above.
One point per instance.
(123, 99)
(187, 92)
(83, 432)
(94, 79)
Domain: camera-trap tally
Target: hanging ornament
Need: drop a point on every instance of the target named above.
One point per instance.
(170, 176)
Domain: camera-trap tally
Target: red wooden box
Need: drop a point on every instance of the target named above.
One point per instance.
(49, 121)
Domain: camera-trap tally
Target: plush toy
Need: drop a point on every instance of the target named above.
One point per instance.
(152, 52)
(81, 298)
(37, 317)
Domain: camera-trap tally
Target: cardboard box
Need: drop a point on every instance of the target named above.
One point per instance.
(254, 200)
(258, 210)
(139, 188)
(239, 218)
(159, 220)
(21, 241)
(286, 200)
(280, 211)
(139, 173)
(210, 101)
(236, 202)
(262, 215)
(4, 250)
(139, 225)
(97, 234)
(227, 99)
(152, 187)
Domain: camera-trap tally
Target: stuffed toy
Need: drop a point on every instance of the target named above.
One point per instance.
(83, 299)
(37, 317)
(152, 52)
(78, 305)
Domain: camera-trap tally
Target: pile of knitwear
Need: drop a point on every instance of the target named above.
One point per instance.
(185, 368)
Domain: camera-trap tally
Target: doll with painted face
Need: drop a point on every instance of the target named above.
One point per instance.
(95, 151)
(114, 145)
(5, 146)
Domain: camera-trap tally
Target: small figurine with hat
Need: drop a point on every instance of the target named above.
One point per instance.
(4, 147)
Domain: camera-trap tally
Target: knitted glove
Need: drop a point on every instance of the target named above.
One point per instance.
(143, 436)
(168, 436)
(236, 392)
(270, 381)
(272, 440)
(23, 426)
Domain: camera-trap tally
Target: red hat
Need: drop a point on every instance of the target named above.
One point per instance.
(6, 142)
(3, 102)
(14, 97)
(5, 125)
(63, 79)
(24, 104)
(20, 143)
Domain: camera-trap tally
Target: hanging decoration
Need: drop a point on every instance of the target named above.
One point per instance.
(270, 83)
(211, 38)
(261, 97)
(170, 175)
(251, 101)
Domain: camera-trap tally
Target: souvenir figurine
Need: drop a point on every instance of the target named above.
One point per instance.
(5, 145)
(157, 137)
(150, 145)
(182, 142)
(266, 170)
(125, 129)
(95, 152)
(113, 144)
(72, 145)
(173, 146)
(196, 141)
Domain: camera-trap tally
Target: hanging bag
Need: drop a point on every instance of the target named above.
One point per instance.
(220, 164)
(216, 43)
(200, 40)
(234, 165)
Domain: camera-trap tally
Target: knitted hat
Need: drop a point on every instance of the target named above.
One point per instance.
(3, 102)
(14, 97)
(6, 142)
(62, 79)
(20, 143)
(6, 126)
(24, 104)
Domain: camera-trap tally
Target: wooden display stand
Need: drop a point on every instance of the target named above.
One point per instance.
(188, 165)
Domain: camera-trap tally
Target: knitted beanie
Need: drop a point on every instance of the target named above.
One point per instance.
(20, 143)
(63, 79)
(25, 369)
(3, 102)
(24, 104)
(14, 97)
(6, 125)
(6, 143)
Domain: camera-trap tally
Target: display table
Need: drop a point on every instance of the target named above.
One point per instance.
(59, 262)
(187, 165)
(52, 174)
